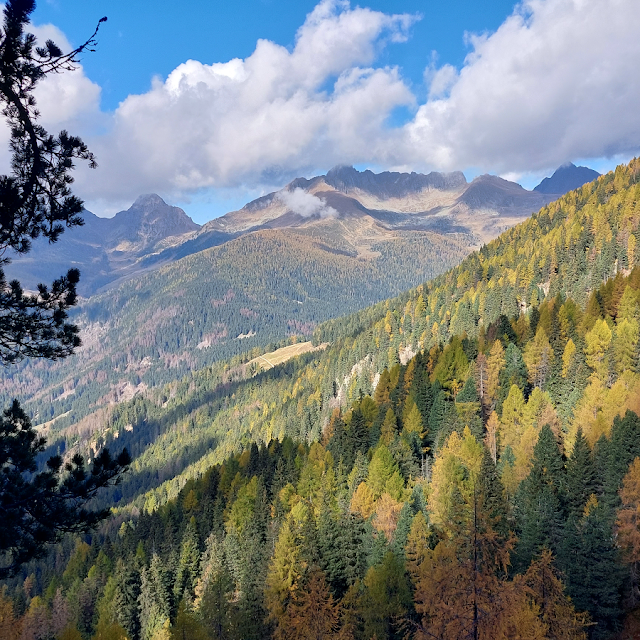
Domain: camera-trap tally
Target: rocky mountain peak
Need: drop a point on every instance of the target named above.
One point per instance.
(392, 184)
(566, 178)
(148, 201)
(149, 220)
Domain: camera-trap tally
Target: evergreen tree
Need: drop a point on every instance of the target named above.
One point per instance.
(613, 457)
(215, 590)
(359, 432)
(127, 593)
(36, 201)
(581, 476)
(590, 561)
(386, 599)
(188, 564)
(469, 392)
(538, 508)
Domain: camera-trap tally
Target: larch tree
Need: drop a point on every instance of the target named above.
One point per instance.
(312, 613)
(460, 585)
(538, 355)
(495, 364)
(628, 526)
(542, 586)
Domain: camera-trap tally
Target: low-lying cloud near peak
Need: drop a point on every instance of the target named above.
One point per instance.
(306, 204)
(556, 82)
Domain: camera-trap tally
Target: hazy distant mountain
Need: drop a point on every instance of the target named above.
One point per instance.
(105, 249)
(351, 211)
(146, 223)
(345, 199)
(566, 178)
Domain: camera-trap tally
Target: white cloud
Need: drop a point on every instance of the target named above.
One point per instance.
(442, 80)
(557, 81)
(262, 119)
(306, 204)
(68, 97)
(65, 100)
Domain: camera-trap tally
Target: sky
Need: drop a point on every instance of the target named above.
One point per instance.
(211, 104)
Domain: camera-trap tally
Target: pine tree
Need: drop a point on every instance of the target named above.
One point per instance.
(623, 447)
(538, 508)
(215, 591)
(492, 495)
(340, 544)
(359, 432)
(581, 476)
(188, 564)
(125, 602)
(421, 391)
(39, 506)
(590, 560)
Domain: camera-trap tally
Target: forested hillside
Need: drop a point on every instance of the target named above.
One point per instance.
(459, 462)
(254, 291)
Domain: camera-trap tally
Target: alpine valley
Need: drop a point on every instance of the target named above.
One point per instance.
(364, 406)
(167, 297)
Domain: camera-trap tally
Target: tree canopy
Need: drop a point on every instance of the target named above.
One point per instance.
(36, 507)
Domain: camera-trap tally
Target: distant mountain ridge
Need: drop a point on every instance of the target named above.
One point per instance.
(105, 249)
(349, 210)
(567, 178)
(439, 202)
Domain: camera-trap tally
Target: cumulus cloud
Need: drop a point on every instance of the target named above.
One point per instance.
(264, 117)
(556, 82)
(65, 98)
(306, 204)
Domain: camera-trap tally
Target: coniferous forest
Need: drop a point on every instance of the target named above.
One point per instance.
(459, 462)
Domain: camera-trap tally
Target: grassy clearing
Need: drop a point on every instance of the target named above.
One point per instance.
(270, 360)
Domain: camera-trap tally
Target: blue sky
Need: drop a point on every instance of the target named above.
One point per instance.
(476, 85)
(145, 39)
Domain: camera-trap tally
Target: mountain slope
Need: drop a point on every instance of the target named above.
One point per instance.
(361, 474)
(566, 178)
(439, 202)
(106, 249)
(255, 290)
(570, 247)
(543, 255)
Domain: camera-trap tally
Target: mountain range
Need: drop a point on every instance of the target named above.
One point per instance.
(473, 439)
(280, 266)
(345, 210)
(567, 178)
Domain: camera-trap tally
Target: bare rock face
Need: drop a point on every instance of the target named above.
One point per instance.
(148, 221)
(567, 178)
(354, 203)
(106, 249)
(390, 184)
